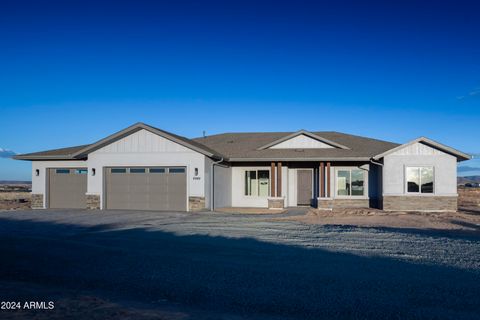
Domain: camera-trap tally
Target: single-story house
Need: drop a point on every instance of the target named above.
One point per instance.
(145, 168)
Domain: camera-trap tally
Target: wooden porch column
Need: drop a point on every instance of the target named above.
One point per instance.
(322, 180)
(279, 179)
(272, 180)
(328, 179)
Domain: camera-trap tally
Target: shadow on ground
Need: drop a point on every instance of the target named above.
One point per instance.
(245, 277)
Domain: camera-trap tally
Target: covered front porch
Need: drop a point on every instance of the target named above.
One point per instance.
(319, 184)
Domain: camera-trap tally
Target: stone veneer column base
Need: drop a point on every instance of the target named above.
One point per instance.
(36, 200)
(196, 203)
(420, 203)
(93, 201)
(329, 204)
(276, 203)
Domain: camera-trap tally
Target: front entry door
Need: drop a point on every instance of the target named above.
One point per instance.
(304, 187)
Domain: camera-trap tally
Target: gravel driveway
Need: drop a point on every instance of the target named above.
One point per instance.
(232, 266)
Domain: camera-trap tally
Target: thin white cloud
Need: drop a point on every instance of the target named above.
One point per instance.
(5, 153)
(472, 93)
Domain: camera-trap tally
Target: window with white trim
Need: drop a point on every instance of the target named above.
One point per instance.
(350, 182)
(419, 180)
(257, 183)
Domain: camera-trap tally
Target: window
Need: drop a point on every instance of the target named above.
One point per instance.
(81, 171)
(119, 170)
(419, 179)
(62, 171)
(157, 170)
(257, 183)
(137, 170)
(176, 170)
(350, 182)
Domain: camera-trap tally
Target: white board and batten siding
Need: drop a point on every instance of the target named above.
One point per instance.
(419, 154)
(143, 149)
(301, 142)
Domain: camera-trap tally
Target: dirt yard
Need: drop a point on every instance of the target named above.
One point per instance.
(127, 264)
(377, 218)
(14, 200)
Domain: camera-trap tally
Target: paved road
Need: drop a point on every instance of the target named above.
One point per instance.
(245, 265)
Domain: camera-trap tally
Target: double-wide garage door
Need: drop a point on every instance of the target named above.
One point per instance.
(67, 188)
(146, 188)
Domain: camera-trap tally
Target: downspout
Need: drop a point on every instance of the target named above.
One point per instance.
(380, 204)
(377, 163)
(212, 186)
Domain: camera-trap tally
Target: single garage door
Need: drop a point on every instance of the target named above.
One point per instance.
(67, 188)
(152, 188)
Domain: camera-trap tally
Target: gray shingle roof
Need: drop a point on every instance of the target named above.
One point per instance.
(244, 146)
(241, 146)
(62, 153)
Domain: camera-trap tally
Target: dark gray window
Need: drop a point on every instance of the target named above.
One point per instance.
(157, 170)
(257, 183)
(419, 179)
(176, 170)
(350, 182)
(119, 170)
(137, 170)
(63, 171)
(81, 171)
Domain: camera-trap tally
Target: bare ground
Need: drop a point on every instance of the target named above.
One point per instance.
(15, 200)
(151, 265)
(461, 220)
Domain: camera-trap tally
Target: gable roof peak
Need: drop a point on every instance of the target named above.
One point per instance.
(461, 156)
(306, 133)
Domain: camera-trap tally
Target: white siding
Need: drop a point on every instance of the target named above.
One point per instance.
(143, 141)
(144, 148)
(223, 187)
(418, 149)
(445, 169)
(301, 142)
(207, 183)
(239, 199)
(292, 188)
(39, 184)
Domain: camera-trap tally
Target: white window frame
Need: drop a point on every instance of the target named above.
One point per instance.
(365, 183)
(258, 184)
(419, 193)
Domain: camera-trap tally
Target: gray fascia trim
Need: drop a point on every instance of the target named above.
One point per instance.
(298, 159)
(308, 134)
(67, 157)
(460, 155)
(136, 127)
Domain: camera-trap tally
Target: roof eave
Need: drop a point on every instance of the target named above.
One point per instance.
(461, 156)
(136, 127)
(32, 157)
(300, 159)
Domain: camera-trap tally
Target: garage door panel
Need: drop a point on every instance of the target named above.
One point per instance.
(67, 188)
(149, 189)
(177, 190)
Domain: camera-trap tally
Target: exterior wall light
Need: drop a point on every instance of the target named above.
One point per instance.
(93, 171)
(196, 172)
(37, 172)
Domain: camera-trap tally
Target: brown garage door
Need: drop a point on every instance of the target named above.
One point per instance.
(67, 188)
(146, 188)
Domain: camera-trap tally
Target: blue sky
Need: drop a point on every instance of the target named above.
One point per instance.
(73, 72)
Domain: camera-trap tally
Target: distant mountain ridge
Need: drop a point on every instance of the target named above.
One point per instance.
(468, 179)
(14, 182)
